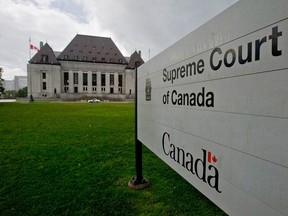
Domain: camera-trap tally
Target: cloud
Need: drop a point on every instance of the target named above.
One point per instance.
(11, 72)
(21, 20)
(141, 25)
(151, 24)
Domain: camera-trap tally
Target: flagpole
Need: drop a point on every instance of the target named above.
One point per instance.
(29, 72)
(29, 48)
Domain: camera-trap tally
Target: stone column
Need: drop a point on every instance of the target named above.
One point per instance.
(80, 81)
(107, 87)
(116, 80)
(71, 81)
(89, 82)
(98, 82)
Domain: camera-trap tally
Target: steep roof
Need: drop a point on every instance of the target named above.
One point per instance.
(92, 49)
(135, 57)
(44, 56)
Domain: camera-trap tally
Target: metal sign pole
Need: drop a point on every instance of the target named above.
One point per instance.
(137, 182)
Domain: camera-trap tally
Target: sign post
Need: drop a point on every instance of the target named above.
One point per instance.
(137, 182)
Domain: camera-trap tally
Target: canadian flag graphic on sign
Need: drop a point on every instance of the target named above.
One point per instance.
(211, 158)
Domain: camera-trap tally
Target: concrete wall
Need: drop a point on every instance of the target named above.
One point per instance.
(55, 80)
(130, 83)
(35, 80)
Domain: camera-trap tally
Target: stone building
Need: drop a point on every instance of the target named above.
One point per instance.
(89, 66)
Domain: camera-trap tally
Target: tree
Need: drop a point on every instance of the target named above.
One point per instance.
(22, 92)
(11, 94)
(2, 89)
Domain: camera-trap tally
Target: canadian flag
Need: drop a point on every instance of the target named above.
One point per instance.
(33, 47)
(211, 157)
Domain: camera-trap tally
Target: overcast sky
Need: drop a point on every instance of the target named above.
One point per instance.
(132, 25)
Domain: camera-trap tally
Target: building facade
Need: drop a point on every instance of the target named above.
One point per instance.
(19, 82)
(89, 66)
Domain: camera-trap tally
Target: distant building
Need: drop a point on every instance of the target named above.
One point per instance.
(9, 85)
(88, 66)
(19, 82)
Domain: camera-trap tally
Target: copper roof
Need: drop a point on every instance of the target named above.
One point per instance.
(135, 57)
(92, 49)
(44, 56)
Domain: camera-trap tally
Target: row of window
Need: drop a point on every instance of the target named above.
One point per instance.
(85, 89)
(85, 81)
(103, 89)
(85, 58)
(94, 79)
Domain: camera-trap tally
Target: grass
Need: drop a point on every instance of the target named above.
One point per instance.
(76, 159)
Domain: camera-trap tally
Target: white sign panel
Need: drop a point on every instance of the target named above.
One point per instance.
(214, 107)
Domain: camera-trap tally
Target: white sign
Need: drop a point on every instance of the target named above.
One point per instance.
(214, 107)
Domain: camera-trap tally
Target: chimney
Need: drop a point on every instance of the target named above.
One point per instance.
(41, 44)
(139, 52)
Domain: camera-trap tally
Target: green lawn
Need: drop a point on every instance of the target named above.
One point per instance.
(77, 158)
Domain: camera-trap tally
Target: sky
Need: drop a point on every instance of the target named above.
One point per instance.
(132, 24)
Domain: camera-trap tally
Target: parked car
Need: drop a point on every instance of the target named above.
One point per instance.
(94, 100)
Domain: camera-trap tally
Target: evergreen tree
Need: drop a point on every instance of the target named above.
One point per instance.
(22, 92)
(2, 89)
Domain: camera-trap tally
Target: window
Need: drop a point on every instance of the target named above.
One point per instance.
(111, 79)
(85, 79)
(94, 58)
(103, 80)
(43, 75)
(75, 57)
(120, 80)
(75, 78)
(44, 87)
(85, 58)
(66, 81)
(94, 79)
(66, 56)
(103, 59)
(75, 89)
(44, 58)
(66, 78)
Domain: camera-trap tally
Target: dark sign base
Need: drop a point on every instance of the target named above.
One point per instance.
(137, 185)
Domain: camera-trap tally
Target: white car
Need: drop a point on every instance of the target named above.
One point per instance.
(94, 101)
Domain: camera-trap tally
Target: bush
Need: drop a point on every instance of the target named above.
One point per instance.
(22, 92)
